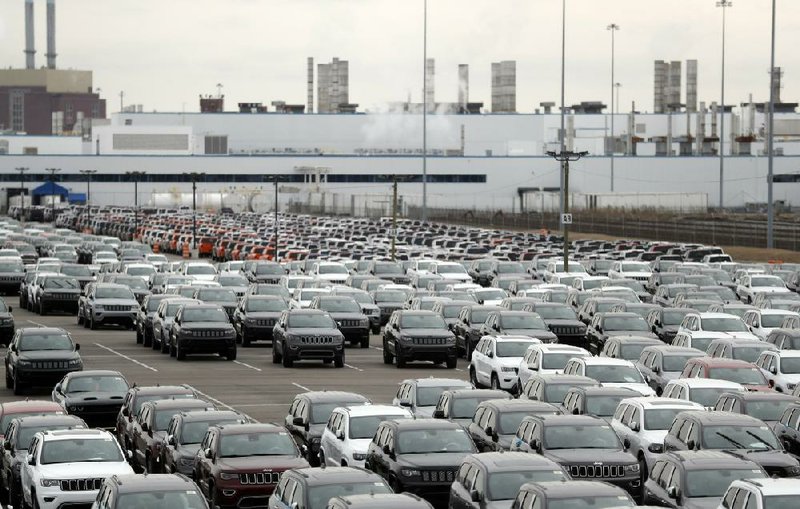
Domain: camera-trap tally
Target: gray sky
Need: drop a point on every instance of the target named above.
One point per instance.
(164, 53)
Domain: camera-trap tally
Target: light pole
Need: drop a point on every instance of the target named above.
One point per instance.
(276, 178)
(613, 27)
(561, 133)
(135, 175)
(22, 171)
(194, 176)
(617, 86)
(565, 157)
(770, 210)
(724, 4)
(425, 111)
(53, 172)
(88, 174)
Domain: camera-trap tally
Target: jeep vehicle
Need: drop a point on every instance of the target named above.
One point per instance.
(492, 478)
(307, 334)
(149, 430)
(234, 282)
(24, 289)
(546, 359)
(496, 421)
(418, 335)
(350, 430)
(265, 272)
(312, 488)
(137, 285)
(202, 329)
(95, 396)
(467, 327)
(419, 456)
(382, 500)
(107, 303)
(349, 317)
(134, 400)
(662, 363)
(165, 318)
(7, 326)
(628, 348)
(368, 306)
(595, 401)
(144, 319)
(572, 494)
(765, 406)
(388, 301)
(664, 322)
(391, 271)
(553, 388)
(459, 405)
(695, 478)
(56, 292)
(450, 310)
(309, 414)
(583, 445)
(239, 465)
(596, 304)
(610, 373)
(420, 395)
(747, 350)
(67, 467)
(737, 434)
(222, 297)
(15, 449)
(732, 370)
(761, 493)
(12, 272)
(784, 338)
(26, 408)
(256, 316)
(781, 368)
(562, 321)
(154, 490)
(185, 432)
(606, 325)
(40, 356)
(517, 323)
(705, 391)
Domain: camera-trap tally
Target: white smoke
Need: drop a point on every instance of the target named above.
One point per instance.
(390, 127)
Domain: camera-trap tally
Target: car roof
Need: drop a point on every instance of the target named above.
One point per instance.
(717, 315)
(772, 486)
(669, 403)
(338, 475)
(721, 362)
(566, 379)
(136, 483)
(576, 489)
(162, 389)
(383, 500)
(511, 405)
(706, 382)
(437, 382)
(42, 330)
(204, 415)
(673, 350)
(15, 407)
(478, 393)
(604, 391)
(250, 427)
(510, 461)
(721, 418)
(763, 396)
(412, 424)
(556, 348)
(46, 420)
(571, 420)
(168, 404)
(709, 459)
(94, 372)
(83, 433)
(604, 361)
(366, 410)
(333, 396)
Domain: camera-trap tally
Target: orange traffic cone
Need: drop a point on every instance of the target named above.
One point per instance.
(186, 253)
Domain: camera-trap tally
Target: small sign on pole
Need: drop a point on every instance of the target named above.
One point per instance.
(566, 218)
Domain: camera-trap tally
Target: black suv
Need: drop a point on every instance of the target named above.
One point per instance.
(496, 421)
(349, 316)
(606, 325)
(695, 479)
(307, 334)
(571, 494)
(664, 322)
(256, 317)
(7, 326)
(309, 413)
(583, 445)
(222, 297)
(562, 321)
(388, 301)
(138, 396)
(95, 396)
(737, 434)
(522, 323)
(202, 328)
(58, 292)
(154, 490)
(12, 273)
(492, 477)
(144, 318)
(311, 488)
(418, 335)
(185, 432)
(419, 456)
(467, 327)
(40, 356)
(459, 405)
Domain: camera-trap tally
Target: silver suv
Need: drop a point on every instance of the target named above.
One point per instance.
(107, 303)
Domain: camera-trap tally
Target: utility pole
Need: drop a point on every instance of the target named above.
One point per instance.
(88, 174)
(276, 226)
(562, 133)
(613, 27)
(394, 214)
(194, 176)
(136, 175)
(565, 157)
(724, 4)
(22, 171)
(425, 111)
(53, 172)
(770, 148)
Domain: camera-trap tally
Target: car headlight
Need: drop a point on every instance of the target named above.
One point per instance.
(75, 408)
(632, 468)
(24, 364)
(7, 321)
(790, 386)
(75, 362)
(134, 308)
(187, 462)
(409, 472)
(656, 448)
(98, 307)
(359, 456)
(49, 483)
(228, 476)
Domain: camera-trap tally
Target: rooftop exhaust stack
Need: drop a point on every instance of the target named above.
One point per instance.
(310, 85)
(30, 51)
(51, 34)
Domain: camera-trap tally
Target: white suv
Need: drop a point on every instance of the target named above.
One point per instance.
(495, 361)
(763, 321)
(761, 494)
(547, 359)
(67, 467)
(610, 373)
(705, 391)
(349, 431)
(781, 368)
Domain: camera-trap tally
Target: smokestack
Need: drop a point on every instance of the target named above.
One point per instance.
(310, 85)
(51, 34)
(30, 51)
(463, 86)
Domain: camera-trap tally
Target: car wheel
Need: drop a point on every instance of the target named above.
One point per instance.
(80, 319)
(276, 359)
(34, 501)
(643, 468)
(244, 340)
(338, 361)
(365, 342)
(287, 361)
(473, 379)
(231, 354)
(495, 382)
(147, 341)
(139, 338)
(163, 345)
(388, 358)
(15, 496)
(92, 323)
(18, 387)
(451, 362)
(180, 353)
(42, 309)
(172, 350)
(400, 359)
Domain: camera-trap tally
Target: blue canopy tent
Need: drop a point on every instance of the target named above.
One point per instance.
(49, 189)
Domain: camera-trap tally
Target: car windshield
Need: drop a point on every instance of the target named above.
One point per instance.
(747, 353)
(185, 499)
(388, 268)
(713, 483)
(635, 267)
(522, 321)
(751, 376)
(723, 324)
(490, 294)
(71, 270)
(390, 296)
(766, 410)
(631, 352)
(200, 270)
(332, 269)
(340, 305)
(614, 374)
(364, 427)
(204, 315)
(464, 408)
(318, 496)
(56, 341)
(590, 503)
(505, 485)
(173, 307)
(177, 280)
(725, 293)
(558, 360)
(633, 323)
(425, 441)
(361, 298)
(660, 419)
(512, 348)
(580, 437)
(269, 268)
(772, 282)
(320, 412)
(152, 305)
(673, 363)
(426, 321)
(233, 280)
(311, 321)
(108, 383)
(213, 295)
(277, 290)
(450, 268)
(257, 305)
(61, 283)
(257, 444)
(556, 313)
(135, 283)
(773, 320)
(603, 406)
(707, 396)
(25, 434)
(75, 450)
(478, 316)
(673, 317)
(193, 432)
(114, 293)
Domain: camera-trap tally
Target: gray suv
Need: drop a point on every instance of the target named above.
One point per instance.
(307, 334)
(107, 303)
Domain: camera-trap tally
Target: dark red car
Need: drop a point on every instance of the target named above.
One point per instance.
(732, 370)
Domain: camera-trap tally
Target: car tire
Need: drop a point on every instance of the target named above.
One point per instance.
(495, 382)
(92, 323)
(85, 321)
(34, 501)
(473, 378)
(230, 354)
(400, 360)
(287, 361)
(147, 341)
(162, 344)
(338, 361)
(140, 339)
(42, 308)
(642, 468)
(17, 386)
(9, 380)
(388, 358)
(276, 359)
(451, 362)
(180, 353)
(365, 342)
(80, 317)
(173, 351)
(14, 496)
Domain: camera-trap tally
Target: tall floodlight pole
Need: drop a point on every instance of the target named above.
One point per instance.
(770, 210)
(88, 174)
(135, 175)
(275, 257)
(561, 133)
(53, 172)
(425, 111)
(22, 171)
(724, 4)
(617, 86)
(565, 158)
(394, 215)
(613, 27)
(194, 176)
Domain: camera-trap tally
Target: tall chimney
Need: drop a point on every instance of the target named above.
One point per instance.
(310, 85)
(51, 34)
(30, 52)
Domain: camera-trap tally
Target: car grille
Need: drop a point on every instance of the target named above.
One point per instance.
(11, 279)
(568, 330)
(62, 296)
(604, 471)
(640, 278)
(265, 323)
(350, 323)
(316, 340)
(429, 341)
(260, 478)
(50, 364)
(81, 484)
(117, 308)
(209, 333)
(268, 280)
(438, 475)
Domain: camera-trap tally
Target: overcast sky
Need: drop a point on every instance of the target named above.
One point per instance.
(164, 53)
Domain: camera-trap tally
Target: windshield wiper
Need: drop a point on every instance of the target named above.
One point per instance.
(769, 447)
(729, 439)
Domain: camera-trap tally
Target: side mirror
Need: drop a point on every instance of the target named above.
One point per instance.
(208, 454)
(405, 403)
(475, 496)
(31, 460)
(490, 354)
(489, 431)
(386, 449)
(125, 411)
(57, 388)
(690, 445)
(7, 445)
(77, 346)
(626, 444)
(576, 411)
(634, 426)
(672, 492)
(298, 421)
(171, 440)
(438, 414)
(773, 370)
(14, 348)
(340, 435)
(535, 445)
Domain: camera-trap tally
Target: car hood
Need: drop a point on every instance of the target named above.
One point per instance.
(84, 469)
(701, 503)
(314, 332)
(534, 333)
(35, 355)
(643, 389)
(263, 314)
(625, 333)
(261, 463)
(429, 333)
(116, 302)
(437, 460)
(590, 455)
(765, 458)
(95, 398)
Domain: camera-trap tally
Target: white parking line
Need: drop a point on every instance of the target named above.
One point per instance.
(352, 367)
(459, 369)
(376, 348)
(247, 365)
(301, 387)
(37, 323)
(245, 405)
(218, 402)
(142, 364)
